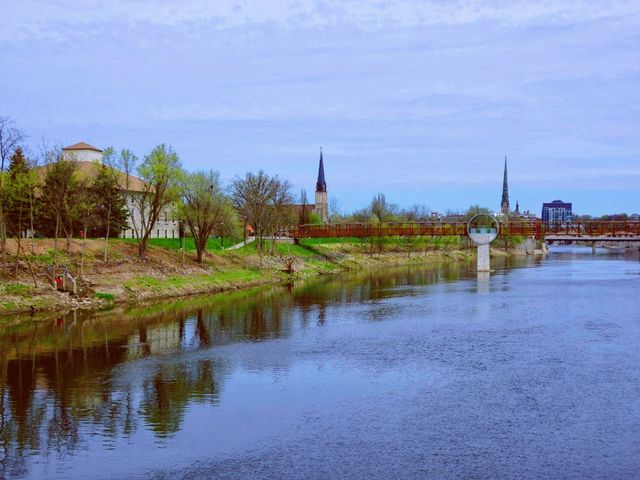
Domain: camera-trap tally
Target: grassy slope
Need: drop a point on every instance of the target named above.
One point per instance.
(213, 244)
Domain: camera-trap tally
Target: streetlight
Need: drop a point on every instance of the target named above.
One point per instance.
(222, 235)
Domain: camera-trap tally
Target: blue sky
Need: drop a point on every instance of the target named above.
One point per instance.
(419, 100)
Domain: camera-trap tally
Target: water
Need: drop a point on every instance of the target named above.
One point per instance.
(398, 373)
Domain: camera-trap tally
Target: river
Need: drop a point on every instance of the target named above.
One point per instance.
(395, 373)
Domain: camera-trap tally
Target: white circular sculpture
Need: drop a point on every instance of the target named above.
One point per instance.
(483, 229)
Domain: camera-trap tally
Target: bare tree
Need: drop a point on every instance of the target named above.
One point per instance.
(10, 138)
(108, 181)
(86, 206)
(263, 202)
(303, 215)
(382, 210)
(281, 212)
(417, 213)
(203, 206)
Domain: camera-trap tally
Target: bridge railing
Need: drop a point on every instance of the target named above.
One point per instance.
(384, 229)
(617, 228)
(529, 228)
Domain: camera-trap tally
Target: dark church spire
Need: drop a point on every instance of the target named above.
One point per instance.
(321, 184)
(504, 205)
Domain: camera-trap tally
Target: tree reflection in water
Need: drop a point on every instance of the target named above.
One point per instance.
(65, 378)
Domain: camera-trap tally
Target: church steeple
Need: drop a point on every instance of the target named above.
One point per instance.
(321, 184)
(322, 199)
(504, 205)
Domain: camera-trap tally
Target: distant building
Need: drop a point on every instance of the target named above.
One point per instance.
(557, 211)
(82, 152)
(86, 155)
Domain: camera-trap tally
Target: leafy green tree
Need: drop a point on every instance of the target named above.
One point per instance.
(84, 210)
(160, 172)
(381, 210)
(476, 210)
(315, 219)
(16, 200)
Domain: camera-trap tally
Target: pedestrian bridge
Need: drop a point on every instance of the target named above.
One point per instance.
(595, 231)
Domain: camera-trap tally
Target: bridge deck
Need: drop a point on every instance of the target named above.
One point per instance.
(561, 238)
(587, 231)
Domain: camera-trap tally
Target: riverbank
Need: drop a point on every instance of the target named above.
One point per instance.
(167, 273)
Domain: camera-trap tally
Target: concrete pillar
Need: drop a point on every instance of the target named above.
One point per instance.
(483, 282)
(593, 247)
(484, 261)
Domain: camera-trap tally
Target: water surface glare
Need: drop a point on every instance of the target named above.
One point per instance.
(397, 373)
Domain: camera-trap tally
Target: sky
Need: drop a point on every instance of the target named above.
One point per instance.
(418, 99)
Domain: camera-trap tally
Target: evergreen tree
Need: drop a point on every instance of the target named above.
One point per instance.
(110, 214)
(18, 193)
(56, 213)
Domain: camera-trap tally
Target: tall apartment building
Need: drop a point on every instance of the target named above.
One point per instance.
(557, 211)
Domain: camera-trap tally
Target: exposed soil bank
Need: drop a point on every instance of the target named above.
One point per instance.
(167, 273)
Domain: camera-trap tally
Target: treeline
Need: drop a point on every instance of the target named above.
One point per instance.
(56, 199)
(48, 194)
(52, 195)
(613, 217)
(381, 210)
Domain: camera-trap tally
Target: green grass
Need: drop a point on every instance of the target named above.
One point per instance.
(394, 240)
(48, 257)
(282, 249)
(8, 305)
(189, 245)
(218, 279)
(105, 296)
(331, 240)
(17, 289)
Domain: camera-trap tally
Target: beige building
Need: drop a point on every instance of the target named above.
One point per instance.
(86, 155)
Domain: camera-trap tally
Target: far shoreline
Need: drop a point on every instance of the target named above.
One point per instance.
(127, 280)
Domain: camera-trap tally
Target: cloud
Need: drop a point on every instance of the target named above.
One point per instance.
(28, 20)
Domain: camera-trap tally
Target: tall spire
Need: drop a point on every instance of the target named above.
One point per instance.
(504, 205)
(321, 184)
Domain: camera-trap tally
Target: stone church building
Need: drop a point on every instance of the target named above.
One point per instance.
(86, 155)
